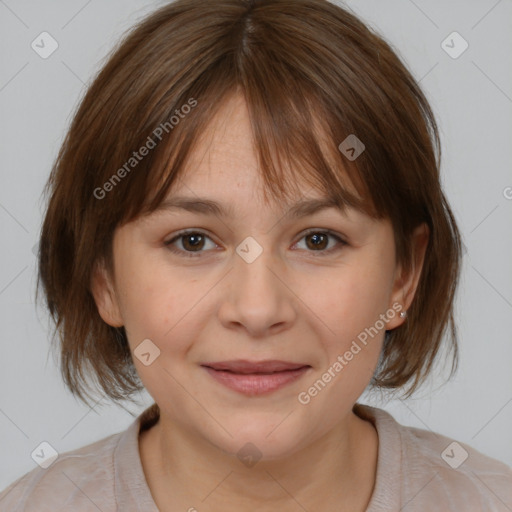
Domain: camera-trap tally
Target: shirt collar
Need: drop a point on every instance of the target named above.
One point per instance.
(386, 496)
(131, 490)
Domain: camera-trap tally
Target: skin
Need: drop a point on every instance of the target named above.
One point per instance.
(291, 303)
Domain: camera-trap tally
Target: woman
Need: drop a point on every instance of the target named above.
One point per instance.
(246, 219)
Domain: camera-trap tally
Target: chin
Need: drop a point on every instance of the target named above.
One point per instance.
(252, 440)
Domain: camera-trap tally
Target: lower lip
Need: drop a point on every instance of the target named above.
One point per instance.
(256, 384)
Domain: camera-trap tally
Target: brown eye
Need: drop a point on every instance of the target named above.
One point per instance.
(191, 242)
(318, 241)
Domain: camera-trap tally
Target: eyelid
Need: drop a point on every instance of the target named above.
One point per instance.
(326, 231)
(340, 238)
(183, 233)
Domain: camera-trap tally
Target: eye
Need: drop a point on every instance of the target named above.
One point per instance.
(192, 242)
(317, 240)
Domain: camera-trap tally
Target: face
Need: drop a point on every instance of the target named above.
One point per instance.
(255, 283)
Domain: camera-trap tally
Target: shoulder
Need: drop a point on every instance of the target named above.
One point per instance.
(436, 470)
(457, 470)
(75, 481)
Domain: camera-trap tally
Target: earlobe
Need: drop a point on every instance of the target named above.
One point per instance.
(406, 284)
(105, 296)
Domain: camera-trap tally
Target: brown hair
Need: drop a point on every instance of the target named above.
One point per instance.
(312, 73)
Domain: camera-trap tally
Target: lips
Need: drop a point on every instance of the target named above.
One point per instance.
(256, 378)
(243, 366)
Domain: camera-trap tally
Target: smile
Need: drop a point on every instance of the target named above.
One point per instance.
(256, 383)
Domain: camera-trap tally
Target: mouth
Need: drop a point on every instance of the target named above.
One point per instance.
(255, 378)
(244, 366)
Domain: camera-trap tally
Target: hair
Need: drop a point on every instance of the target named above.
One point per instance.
(311, 74)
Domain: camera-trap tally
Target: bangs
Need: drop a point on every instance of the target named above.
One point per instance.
(294, 143)
(297, 128)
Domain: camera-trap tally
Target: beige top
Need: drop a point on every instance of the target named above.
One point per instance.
(417, 470)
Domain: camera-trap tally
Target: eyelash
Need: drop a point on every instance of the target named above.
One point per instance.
(191, 254)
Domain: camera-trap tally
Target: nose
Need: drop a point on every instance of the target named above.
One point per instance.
(256, 297)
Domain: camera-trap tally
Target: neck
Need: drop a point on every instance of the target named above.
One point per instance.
(335, 471)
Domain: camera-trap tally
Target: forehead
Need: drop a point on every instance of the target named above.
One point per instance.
(223, 172)
(225, 160)
(301, 208)
(225, 150)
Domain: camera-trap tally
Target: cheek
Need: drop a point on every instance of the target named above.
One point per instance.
(158, 311)
(355, 298)
(350, 307)
(162, 304)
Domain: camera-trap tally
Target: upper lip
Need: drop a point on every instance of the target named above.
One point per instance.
(245, 366)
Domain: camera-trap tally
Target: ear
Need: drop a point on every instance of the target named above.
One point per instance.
(104, 295)
(406, 283)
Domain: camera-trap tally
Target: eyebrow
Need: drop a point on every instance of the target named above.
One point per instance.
(206, 206)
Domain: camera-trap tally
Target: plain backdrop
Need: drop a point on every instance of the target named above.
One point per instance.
(471, 96)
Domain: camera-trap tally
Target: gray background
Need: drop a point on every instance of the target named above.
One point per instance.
(471, 96)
